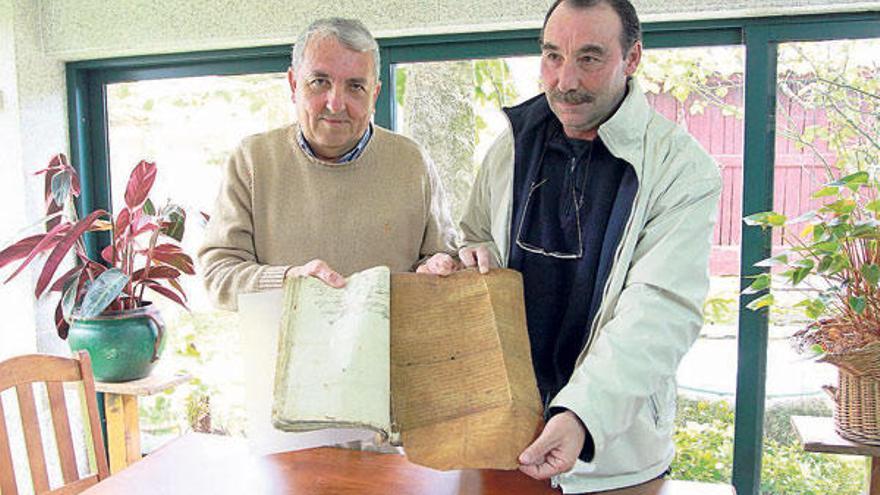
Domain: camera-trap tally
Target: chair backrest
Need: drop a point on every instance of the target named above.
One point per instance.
(21, 372)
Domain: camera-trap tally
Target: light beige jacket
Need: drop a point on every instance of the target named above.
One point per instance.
(623, 387)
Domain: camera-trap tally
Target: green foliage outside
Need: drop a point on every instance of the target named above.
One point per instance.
(151, 108)
(449, 107)
(704, 451)
(777, 417)
(723, 309)
(720, 311)
(699, 77)
(493, 90)
(205, 344)
(704, 441)
(832, 249)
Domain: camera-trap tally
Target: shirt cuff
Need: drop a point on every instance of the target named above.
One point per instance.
(271, 277)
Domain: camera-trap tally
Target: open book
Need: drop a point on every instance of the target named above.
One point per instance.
(333, 355)
(439, 364)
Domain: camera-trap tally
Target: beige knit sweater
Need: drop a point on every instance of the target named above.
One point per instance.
(278, 208)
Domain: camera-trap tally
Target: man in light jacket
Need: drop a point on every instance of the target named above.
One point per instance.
(607, 210)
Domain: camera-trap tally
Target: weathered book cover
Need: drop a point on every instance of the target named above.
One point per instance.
(452, 354)
(463, 388)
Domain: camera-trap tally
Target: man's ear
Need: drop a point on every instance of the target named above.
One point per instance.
(291, 80)
(633, 57)
(376, 93)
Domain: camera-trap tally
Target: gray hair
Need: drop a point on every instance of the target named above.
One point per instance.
(350, 32)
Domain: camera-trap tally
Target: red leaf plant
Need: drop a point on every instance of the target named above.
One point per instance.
(143, 252)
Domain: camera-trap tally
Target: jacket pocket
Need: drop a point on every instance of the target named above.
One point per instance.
(662, 405)
(654, 405)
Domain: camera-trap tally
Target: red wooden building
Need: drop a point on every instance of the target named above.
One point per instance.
(797, 170)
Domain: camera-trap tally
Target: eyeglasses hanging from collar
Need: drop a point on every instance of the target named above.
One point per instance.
(569, 243)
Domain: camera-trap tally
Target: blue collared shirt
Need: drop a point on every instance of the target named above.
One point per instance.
(348, 157)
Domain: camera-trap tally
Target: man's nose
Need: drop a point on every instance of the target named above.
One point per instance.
(568, 76)
(336, 100)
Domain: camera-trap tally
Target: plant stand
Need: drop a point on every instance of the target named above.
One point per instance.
(818, 435)
(121, 410)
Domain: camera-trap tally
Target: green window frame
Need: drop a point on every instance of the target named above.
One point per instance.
(87, 83)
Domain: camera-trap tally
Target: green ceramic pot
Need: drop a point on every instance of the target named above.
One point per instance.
(123, 345)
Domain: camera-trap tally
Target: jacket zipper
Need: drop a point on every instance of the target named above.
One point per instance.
(594, 325)
(554, 480)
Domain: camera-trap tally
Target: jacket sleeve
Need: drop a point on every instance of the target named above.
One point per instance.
(228, 255)
(658, 314)
(476, 221)
(440, 235)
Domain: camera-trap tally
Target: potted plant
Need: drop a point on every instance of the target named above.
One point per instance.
(835, 248)
(102, 307)
(838, 255)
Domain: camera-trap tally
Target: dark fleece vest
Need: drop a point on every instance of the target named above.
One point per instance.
(562, 296)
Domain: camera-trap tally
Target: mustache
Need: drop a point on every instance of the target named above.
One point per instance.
(571, 97)
(334, 116)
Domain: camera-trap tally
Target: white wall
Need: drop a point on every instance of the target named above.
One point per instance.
(16, 327)
(82, 29)
(31, 130)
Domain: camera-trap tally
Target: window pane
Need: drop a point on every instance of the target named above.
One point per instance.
(827, 123)
(188, 127)
(452, 108)
(701, 89)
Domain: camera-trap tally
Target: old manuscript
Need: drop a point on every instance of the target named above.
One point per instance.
(443, 362)
(333, 355)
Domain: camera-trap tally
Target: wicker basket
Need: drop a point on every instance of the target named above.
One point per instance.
(857, 396)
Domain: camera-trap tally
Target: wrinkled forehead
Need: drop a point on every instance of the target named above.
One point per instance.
(576, 28)
(327, 55)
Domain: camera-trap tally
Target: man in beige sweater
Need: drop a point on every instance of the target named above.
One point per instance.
(332, 194)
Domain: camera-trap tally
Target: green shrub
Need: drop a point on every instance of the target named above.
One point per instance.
(705, 453)
(788, 470)
(702, 411)
(720, 311)
(777, 418)
(206, 345)
(704, 444)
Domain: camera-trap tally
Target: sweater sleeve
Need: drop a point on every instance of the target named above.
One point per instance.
(228, 258)
(440, 235)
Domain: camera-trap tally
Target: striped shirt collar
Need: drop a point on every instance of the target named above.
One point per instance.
(346, 158)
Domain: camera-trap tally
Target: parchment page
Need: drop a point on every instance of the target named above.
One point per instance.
(464, 393)
(333, 354)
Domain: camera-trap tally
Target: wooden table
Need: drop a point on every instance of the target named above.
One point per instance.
(199, 463)
(818, 435)
(121, 411)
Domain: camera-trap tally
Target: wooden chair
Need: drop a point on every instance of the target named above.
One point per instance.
(20, 372)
